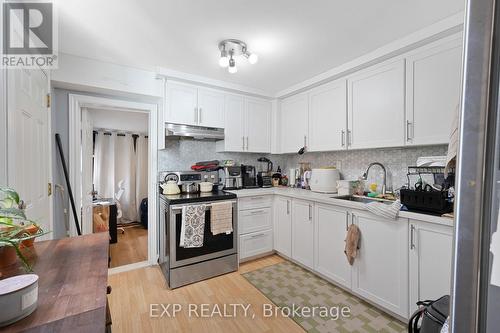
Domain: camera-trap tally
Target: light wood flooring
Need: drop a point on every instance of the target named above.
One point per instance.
(134, 291)
(132, 247)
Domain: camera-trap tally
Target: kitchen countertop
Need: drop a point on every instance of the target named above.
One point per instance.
(330, 199)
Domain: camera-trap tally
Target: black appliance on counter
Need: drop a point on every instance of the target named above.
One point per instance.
(217, 256)
(249, 176)
(264, 178)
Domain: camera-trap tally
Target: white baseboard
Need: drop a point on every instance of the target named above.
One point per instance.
(129, 267)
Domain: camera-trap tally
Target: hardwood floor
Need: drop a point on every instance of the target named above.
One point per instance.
(132, 247)
(134, 291)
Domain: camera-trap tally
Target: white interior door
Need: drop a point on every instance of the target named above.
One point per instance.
(28, 132)
(87, 153)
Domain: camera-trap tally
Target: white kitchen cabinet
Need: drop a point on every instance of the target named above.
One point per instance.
(328, 117)
(380, 271)
(258, 125)
(283, 226)
(430, 261)
(294, 123)
(234, 129)
(303, 232)
(247, 125)
(433, 81)
(331, 223)
(253, 220)
(182, 104)
(376, 106)
(190, 105)
(256, 244)
(210, 108)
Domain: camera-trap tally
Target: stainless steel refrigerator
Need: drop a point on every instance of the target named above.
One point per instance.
(475, 300)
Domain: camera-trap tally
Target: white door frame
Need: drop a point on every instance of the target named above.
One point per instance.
(76, 103)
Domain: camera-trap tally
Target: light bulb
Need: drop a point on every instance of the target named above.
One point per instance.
(253, 58)
(232, 69)
(224, 61)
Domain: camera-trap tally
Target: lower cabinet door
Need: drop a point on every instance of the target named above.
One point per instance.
(329, 234)
(283, 226)
(256, 243)
(380, 270)
(303, 232)
(430, 261)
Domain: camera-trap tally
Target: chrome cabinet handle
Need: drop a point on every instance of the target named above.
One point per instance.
(196, 115)
(287, 207)
(247, 142)
(305, 140)
(347, 221)
(408, 128)
(310, 212)
(412, 243)
(349, 138)
(342, 137)
(199, 115)
(243, 147)
(258, 235)
(255, 212)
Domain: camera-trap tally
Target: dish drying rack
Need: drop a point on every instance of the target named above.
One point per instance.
(436, 172)
(423, 197)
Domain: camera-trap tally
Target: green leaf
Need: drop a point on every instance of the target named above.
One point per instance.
(10, 193)
(12, 212)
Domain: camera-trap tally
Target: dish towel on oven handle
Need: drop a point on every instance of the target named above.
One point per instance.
(192, 226)
(221, 218)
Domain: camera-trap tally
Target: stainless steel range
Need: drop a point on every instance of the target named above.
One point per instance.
(218, 254)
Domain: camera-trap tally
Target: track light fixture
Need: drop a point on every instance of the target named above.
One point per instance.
(231, 48)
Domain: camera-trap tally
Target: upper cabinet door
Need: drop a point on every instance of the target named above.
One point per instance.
(234, 132)
(376, 104)
(294, 123)
(182, 104)
(328, 117)
(433, 78)
(258, 126)
(210, 108)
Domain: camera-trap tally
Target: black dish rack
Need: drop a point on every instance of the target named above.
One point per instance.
(426, 198)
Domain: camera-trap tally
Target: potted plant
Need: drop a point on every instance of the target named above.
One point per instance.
(16, 231)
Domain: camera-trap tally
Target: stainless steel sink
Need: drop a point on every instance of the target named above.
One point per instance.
(362, 199)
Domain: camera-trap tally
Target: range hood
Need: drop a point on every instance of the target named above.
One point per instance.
(175, 131)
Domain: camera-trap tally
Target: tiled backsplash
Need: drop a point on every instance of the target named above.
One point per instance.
(180, 155)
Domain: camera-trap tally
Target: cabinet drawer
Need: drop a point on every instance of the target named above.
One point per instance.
(256, 243)
(260, 201)
(253, 220)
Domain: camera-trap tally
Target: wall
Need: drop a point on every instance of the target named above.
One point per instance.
(136, 122)
(353, 163)
(179, 155)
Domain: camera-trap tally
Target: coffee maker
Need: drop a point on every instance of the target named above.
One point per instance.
(249, 176)
(232, 178)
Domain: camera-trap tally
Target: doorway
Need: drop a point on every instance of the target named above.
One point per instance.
(119, 178)
(113, 164)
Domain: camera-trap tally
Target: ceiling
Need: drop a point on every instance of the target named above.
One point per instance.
(295, 40)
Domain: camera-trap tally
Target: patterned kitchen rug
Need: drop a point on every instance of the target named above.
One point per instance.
(291, 287)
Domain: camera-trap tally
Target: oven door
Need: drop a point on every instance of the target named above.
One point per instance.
(214, 246)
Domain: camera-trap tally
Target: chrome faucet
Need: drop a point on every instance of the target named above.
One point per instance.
(365, 175)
